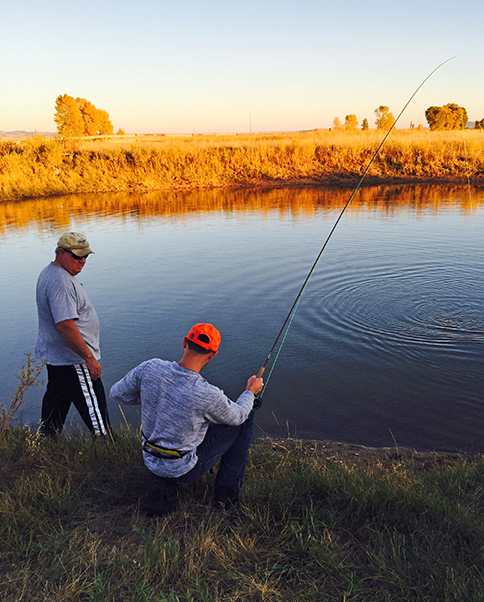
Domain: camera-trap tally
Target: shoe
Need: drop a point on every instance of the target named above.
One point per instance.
(156, 509)
(161, 498)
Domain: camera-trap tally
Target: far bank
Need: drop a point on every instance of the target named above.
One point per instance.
(42, 167)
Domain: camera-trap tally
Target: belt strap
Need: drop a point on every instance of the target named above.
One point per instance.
(161, 452)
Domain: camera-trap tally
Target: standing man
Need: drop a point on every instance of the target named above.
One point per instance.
(189, 424)
(68, 341)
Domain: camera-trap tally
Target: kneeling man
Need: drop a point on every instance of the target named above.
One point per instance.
(189, 424)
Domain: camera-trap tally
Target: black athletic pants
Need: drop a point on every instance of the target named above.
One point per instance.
(73, 384)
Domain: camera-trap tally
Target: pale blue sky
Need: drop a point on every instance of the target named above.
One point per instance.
(188, 66)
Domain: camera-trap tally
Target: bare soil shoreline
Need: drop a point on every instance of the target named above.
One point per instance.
(361, 456)
(339, 183)
(350, 182)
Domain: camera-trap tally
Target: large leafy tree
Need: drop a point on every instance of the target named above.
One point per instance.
(351, 123)
(79, 117)
(383, 118)
(104, 123)
(68, 117)
(89, 116)
(436, 117)
(449, 117)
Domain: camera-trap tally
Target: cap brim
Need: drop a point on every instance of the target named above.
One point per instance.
(81, 252)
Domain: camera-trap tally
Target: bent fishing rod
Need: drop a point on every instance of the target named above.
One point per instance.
(305, 283)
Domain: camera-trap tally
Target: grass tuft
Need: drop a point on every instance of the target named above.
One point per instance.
(27, 377)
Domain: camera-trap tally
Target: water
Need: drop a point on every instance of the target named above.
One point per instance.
(387, 344)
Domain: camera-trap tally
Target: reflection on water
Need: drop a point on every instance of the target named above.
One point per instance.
(59, 211)
(388, 340)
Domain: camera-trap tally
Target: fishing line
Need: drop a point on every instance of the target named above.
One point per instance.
(463, 127)
(467, 167)
(464, 143)
(292, 311)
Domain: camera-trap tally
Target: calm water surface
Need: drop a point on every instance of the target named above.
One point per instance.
(387, 344)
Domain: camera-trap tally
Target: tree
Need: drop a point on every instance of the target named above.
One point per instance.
(479, 125)
(364, 124)
(351, 123)
(449, 117)
(435, 117)
(89, 117)
(457, 116)
(384, 119)
(79, 117)
(68, 117)
(104, 123)
(337, 125)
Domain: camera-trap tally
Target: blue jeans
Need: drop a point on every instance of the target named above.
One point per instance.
(231, 445)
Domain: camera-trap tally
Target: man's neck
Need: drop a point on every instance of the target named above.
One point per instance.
(190, 365)
(194, 361)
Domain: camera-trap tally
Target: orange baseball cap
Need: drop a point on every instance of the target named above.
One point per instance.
(205, 335)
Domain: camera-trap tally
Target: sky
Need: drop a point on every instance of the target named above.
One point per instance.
(233, 66)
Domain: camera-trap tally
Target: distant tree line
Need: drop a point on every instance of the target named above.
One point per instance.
(383, 121)
(79, 117)
(449, 117)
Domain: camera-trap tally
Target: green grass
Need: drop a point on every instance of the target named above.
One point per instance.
(319, 521)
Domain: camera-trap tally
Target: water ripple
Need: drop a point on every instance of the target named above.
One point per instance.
(400, 311)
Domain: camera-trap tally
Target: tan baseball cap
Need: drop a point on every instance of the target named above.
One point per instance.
(76, 243)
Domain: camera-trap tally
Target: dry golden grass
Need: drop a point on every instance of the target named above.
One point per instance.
(45, 167)
(356, 139)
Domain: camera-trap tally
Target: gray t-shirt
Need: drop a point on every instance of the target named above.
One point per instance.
(177, 406)
(61, 297)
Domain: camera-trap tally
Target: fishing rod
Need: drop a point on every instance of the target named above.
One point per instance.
(298, 297)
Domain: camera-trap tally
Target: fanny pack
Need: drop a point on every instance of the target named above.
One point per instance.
(162, 452)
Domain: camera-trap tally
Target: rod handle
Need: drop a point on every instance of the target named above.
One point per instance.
(261, 372)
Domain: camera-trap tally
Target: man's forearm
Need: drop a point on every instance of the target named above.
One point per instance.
(126, 391)
(73, 338)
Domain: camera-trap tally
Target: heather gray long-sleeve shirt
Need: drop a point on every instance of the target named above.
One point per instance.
(177, 405)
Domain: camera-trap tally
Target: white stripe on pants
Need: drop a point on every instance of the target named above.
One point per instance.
(91, 399)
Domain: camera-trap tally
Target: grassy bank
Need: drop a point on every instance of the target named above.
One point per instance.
(39, 167)
(319, 521)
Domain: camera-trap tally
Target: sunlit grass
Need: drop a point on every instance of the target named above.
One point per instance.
(42, 167)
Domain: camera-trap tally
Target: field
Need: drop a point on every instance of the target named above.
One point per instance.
(38, 167)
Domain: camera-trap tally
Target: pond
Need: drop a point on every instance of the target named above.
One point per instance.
(386, 347)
